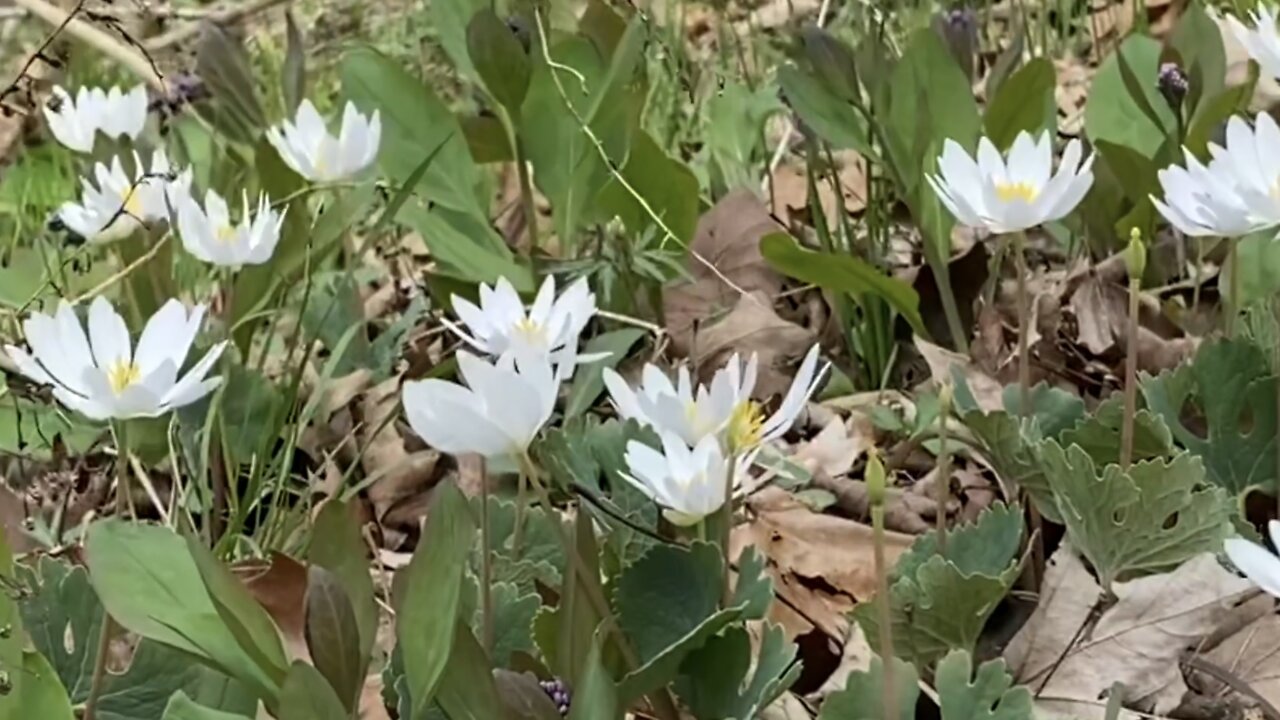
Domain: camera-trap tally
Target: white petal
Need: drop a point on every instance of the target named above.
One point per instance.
(1256, 563)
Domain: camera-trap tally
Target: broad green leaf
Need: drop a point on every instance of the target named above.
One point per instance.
(31, 429)
(735, 131)
(1213, 111)
(181, 707)
(1147, 520)
(414, 123)
(1025, 103)
(989, 695)
(450, 18)
(832, 62)
(668, 605)
(150, 584)
(595, 694)
(1099, 433)
(1114, 115)
(513, 614)
(466, 247)
(1137, 173)
(863, 695)
(293, 75)
(588, 382)
(467, 690)
(822, 110)
(333, 636)
(42, 695)
(223, 64)
(337, 546)
(1198, 39)
(1258, 265)
(1011, 451)
(941, 602)
(753, 589)
(714, 681)
(667, 185)
(428, 609)
(308, 696)
(540, 556)
(499, 59)
(63, 618)
(842, 273)
(1229, 384)
(523, 697)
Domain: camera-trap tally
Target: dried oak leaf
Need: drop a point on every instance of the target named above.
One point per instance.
(728, 238)
(398, 475)
(754, 328)
(1138, 641)
(281, 588)
(822, 565)
(1251, 653)
(944, 364)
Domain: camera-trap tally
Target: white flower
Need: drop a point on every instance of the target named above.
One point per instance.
(1005, 198)
(724, 409)
(1255, 561)
(306, 145)
(209, 234)
(117, 205)
(76, 121)
(102, 375)
(1262, 41)
(548, 331)
(497, 415)
(688, 484)
(1237, 193)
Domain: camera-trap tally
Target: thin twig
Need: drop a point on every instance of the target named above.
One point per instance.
(67, 21)
(217, 17)
(1233, 681)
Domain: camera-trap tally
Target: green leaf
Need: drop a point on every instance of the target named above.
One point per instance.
(31, 429)
(181, 707)
(333, 636)
(428, 609)
(595, 695)
(714, 680)
(513, 614)
(1227, 384)
(247, 620)
(467, 690)
(667, 185)
(414, 123)
(842, 273)
(735, 131)
(1137, 173)
(822, 110)
(1198, 40)
(1114, 115)
(832, 62)
(308, 696)
(753, 590)
(1053, 410)
(863, 695)
(1147, 520)
(450, 18)
(941, 602)
(667, 603)
(1024, 103)
(1258, 263)
(42, 694)
(63, 618)
(223, 64)
(149, 583)
(499, 59)
(523, 697)
(989, 695)
(467, 247)
(1099, 433)
(589, 380)
(337, 546)
(1212, 112)
(293, 75)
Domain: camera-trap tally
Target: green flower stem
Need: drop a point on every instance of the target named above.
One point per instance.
(99, 667)
(883, 609)
(726, 528)
(119, 428)
(1233, 267)
(942, 480)
(1024, 325)
(1130, 375)
(526, 189)
(486, 563)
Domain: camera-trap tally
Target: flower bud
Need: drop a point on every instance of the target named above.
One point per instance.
(875, 479)
(1173, 85)
(1135, 256)
(946, 396)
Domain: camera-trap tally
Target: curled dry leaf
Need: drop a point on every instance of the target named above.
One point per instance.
(1138, 641)
(943, 363)
(791, 189)
(400, 475)
(903, 512)
(836, 447)
(754, 327)
(281, 587)
(822, 565)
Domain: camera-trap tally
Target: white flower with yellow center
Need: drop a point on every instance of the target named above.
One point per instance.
(689, 484)
(724, 409)
(102, 375)
(209, 234)
(307, 146)
(497, 414)
(1014, 196)
(1258, 563)
(548, 331)
(1262, 42)
(119, 204)
(76, 121)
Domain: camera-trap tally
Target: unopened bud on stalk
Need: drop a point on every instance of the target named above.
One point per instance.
(875, 479)
(1135, 256)
(1172, 83)
(946, 396)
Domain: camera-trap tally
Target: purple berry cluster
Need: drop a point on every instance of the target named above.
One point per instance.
(559, 694)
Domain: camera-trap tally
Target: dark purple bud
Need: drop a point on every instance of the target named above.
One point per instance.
(959, 29)
(559, 694)
(1173, 85)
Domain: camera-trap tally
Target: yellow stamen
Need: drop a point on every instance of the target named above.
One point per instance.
(122, 374)
(746, 426)
(226, 234)
(133, 203)
(530, 330)
(1026, 192)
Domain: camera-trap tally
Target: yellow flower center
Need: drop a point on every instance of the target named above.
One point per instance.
(122, 374)
(746, 426)
(531, 330)
(1026, 192)
(133, 203)
(226, 234)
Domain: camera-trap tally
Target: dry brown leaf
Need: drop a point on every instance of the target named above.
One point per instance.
(754, 327)
(281, 587)
(1138, 641)
(13, 519)
(1253, 654)
(400, 475)
(987, 391)
(822, 565)
(855, 657)
(728, 237)
(1101, 308)
(791, 189)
